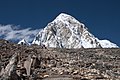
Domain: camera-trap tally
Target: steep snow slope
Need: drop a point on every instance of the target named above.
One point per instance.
(107, 44)
(67, 32)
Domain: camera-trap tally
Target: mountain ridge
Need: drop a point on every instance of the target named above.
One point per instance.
(67, 32)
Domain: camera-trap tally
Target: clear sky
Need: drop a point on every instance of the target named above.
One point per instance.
(102, 17)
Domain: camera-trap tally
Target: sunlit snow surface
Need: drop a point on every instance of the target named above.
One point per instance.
(107, 44)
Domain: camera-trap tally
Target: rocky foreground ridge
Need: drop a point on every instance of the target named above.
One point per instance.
(20, 62)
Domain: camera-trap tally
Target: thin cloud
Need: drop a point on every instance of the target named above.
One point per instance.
(10, 32)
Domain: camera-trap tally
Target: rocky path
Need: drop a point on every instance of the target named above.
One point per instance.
(18, 62)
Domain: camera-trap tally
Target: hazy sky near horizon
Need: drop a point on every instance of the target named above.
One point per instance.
(102, 17)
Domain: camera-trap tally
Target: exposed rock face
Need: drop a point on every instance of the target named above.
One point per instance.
(56, 64)
(66, 32)
(10, 69)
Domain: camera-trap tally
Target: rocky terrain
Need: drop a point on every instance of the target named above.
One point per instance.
(20, 62)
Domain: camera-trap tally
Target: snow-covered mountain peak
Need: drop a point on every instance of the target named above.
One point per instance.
(67, 32)
(23, 42)
(65, 18)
